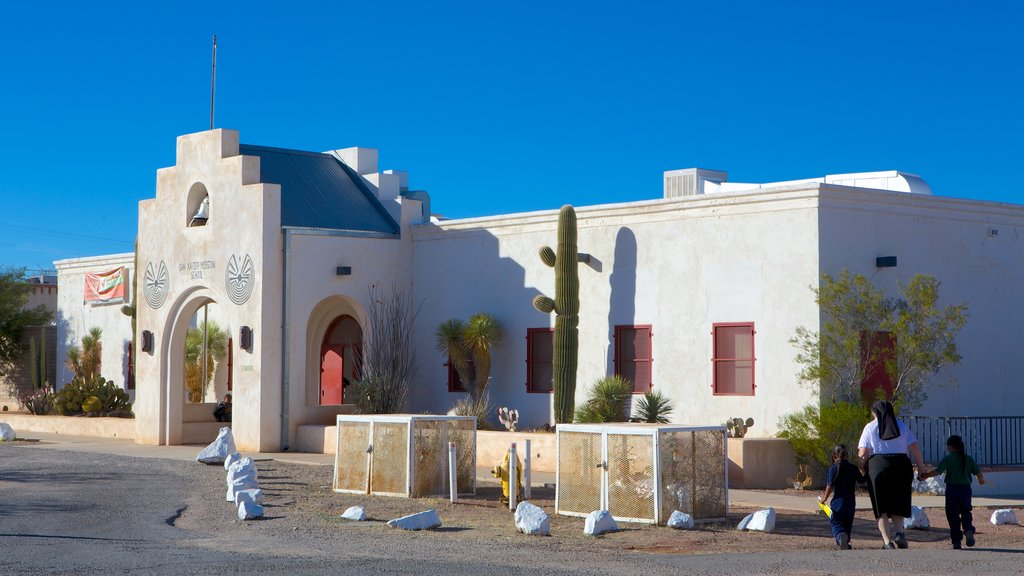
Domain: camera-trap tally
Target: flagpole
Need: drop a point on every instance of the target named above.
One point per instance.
(213, 79)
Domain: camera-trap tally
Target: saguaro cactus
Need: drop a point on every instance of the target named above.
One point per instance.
(566, 307)
(37, 361)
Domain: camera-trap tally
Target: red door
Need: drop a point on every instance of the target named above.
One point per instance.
(332, 369)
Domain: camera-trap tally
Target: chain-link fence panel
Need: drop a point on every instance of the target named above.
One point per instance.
(631, 480)
(351, 459)
(390, 457)
(580, 472)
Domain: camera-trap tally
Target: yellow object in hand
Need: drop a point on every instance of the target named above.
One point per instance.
(824, 507)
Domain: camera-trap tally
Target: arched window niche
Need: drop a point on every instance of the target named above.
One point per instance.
(197, 208)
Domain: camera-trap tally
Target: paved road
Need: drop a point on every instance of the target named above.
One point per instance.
(89, 513)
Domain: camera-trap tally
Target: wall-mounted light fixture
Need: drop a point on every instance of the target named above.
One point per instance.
(147, 341)
(343, 271)
(885, 262)
(245, 339)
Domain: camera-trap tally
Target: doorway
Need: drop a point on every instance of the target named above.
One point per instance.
(340, 359)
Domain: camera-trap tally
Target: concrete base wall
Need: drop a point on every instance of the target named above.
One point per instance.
(72, 425)
(491, 447)
(763, 463)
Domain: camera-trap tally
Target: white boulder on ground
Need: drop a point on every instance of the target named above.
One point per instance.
(241, 468)
(219, 449)
(7, 433)
(231, 459)
(532, 519)
(357, 513)
(240, 485)
(760, 521)
(254, 495)
(418, 521)
(918, 520)
(1004, 516)
(680, 520)
(599, 522)
(248, 510)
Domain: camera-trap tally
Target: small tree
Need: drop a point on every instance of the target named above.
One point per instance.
(468, 346)
(844, 356)
(86, 361)
(14, 316)
(197, 357)
(389, 360)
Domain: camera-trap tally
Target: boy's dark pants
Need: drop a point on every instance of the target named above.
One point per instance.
(842, 516)
(958, 510)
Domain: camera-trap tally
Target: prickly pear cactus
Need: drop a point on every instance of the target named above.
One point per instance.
(566, 307)
(738, 427)
(92, 405)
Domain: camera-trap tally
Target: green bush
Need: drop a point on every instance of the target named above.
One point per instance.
(814, 431)
(608, 402)
(113, 401)
(654, 407)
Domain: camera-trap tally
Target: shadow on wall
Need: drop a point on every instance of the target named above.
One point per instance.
(64, 339)
(622, 297)
(472, 278)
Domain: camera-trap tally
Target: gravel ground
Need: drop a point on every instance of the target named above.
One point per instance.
(77, 513)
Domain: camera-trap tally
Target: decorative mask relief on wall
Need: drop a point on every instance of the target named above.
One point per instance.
(155, 284)
(241, 275)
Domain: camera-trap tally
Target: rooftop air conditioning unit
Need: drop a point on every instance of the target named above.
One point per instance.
(691, 181)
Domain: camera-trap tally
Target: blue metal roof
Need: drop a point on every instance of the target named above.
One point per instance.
(320, 191)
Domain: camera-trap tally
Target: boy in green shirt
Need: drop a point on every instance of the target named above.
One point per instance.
(958, 467)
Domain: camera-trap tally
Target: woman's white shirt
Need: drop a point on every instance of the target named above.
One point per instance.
(869, 439)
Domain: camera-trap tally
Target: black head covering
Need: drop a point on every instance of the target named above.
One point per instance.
(886, 414)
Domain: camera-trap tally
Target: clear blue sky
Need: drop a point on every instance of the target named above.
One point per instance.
(500, 107)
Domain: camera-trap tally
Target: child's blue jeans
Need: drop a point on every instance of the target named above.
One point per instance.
(958, 510)
(842, 515)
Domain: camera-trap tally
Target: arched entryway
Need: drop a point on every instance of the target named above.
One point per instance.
(340, 359)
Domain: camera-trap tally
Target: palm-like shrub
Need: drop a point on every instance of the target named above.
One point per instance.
(608, 402)
(468, 346)
(215, 351)
(654, 407)
(85, 361)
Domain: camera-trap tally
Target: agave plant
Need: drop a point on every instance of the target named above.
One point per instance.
(608, 402)
(653, 407)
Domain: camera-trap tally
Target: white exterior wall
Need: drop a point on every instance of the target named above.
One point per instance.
(949, 239)
(678, 265)
(75, 318)
(244, 221)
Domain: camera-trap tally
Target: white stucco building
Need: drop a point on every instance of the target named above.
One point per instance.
(291, 242)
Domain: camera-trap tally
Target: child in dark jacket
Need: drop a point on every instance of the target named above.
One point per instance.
(841, 484)
(959, 467)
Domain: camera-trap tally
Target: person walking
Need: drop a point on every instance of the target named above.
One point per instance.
(841, 483)
(884, 446)
(958, 467)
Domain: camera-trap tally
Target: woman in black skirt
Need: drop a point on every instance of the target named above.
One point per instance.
(884, 447)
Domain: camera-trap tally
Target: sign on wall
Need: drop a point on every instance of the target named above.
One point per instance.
(105, 287)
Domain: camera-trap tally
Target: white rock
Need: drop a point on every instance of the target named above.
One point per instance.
(680, 520)
(219, 449)
(1004, 516)
(231, 459)
(418, 521)
(354, 513)
(6, 432)
(762, 520)
(241, 468)
(746, 520)
(254, 495)
(599, 522)
(532, 519)
(239, 485)
(249, 510)
(918, 520)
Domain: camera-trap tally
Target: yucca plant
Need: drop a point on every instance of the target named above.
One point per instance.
(654, 407)
(468, 346)
(608, 402)
(85, 361)
(216, 350)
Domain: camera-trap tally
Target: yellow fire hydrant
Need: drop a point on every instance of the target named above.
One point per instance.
(501, 471)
